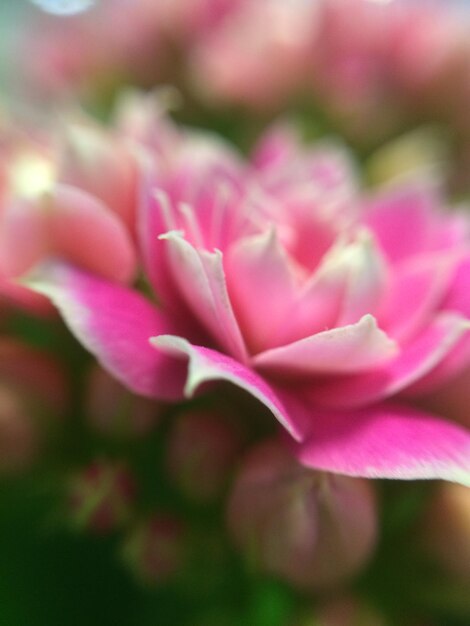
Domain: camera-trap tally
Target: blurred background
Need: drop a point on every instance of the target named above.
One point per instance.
(392, 86)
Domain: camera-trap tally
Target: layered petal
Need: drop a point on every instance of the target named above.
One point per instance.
(200, 278)
(260, 278)
(414, 362)
(206, 365)
(403, 220)
(415, 291)
(69, 223)
(114, 323)
(349, 349)
(387, 441)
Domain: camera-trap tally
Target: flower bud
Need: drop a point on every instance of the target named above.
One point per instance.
(114, 411)
(348, 611)
(309, 528)
(341, 611)
(201, 453)
(101, 497)
(99, 163)
(34, 376)
(18, 440)
(33, 395)
(155, 549)
(446, 529)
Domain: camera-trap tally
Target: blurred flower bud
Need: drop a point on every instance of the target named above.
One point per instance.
(33, 394)
(347, 611)
(101, 496)
(18, 440)
(34, 376)
(114, 411)
(155, 549)
(202, 449)
(99, 163)
(446, 529)
(312, 529)
(341, 611)
(70, 223)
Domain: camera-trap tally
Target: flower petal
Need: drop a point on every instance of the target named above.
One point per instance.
(201, 281)
(260, 278)
(388, 442)
(207, 365)
(403, 219)
(367, 278)
(416, 290)
(155, 217)
(114, 323)
(415, 361)
(71, 224)
(348, 349)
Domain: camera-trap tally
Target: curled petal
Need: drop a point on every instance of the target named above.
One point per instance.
(114, 323)
(201, 281)
(388, 442)
(414, 362)
(207, 365)
(348, 349)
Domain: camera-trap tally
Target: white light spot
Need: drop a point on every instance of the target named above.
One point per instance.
(32, 175)
(64, 7)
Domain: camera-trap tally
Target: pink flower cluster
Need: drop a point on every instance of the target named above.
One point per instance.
(130, 41)
(334, 307)
(367, 59)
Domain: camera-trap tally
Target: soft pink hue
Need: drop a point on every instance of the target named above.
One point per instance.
(281, 277)
(124, 42)
(69, 194)
(311, 529)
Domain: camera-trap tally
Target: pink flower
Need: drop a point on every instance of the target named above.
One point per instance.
(280, 277)
(259, 56)
(71, 193)
(127, 41)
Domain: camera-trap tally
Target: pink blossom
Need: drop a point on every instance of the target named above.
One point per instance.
(70, 193)
(281, 277)
(259, 56)
(126, 41)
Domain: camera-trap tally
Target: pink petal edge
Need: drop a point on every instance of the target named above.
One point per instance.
(388, 441)
(207, 365)
(114, 323)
